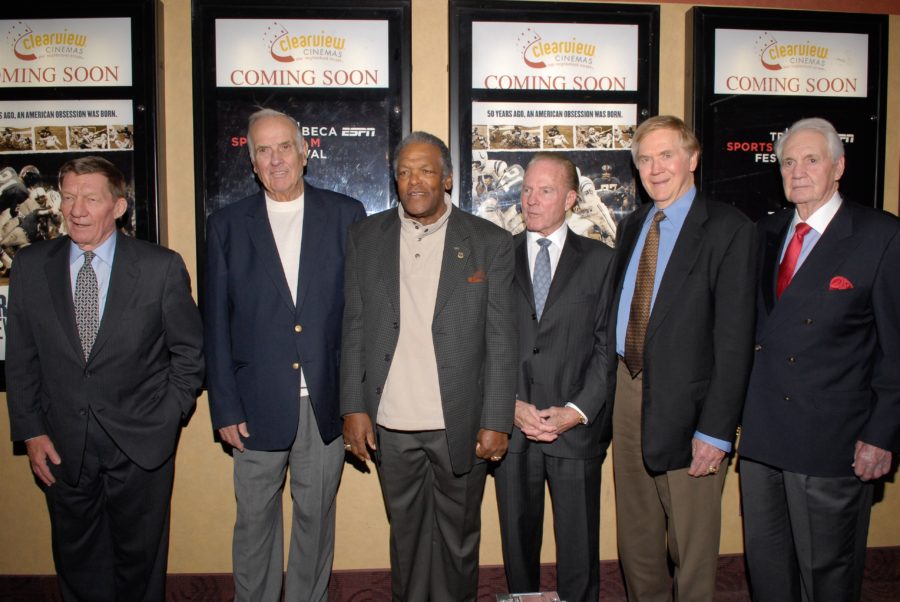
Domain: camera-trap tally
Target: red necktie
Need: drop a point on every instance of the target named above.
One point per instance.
(789, 263)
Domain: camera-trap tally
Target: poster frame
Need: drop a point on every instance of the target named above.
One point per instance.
(865, 166)
(462, 95)
(207, 94)
(142, 94)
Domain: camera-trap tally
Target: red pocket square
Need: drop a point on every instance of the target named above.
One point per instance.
(839, 283)
(478, 276)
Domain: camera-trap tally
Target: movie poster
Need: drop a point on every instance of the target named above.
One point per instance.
(348, 148)
(36, 138)
(763, 80)
(68, 60)
(291, 65)
(596, 137)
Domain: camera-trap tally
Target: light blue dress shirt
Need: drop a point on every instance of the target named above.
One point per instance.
(669, 229)
(102, 264)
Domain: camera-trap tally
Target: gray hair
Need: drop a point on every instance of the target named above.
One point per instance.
(264, 113)
(815, 124)
(426, 138)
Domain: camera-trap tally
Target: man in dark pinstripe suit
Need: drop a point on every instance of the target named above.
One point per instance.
(562, 414)
(429, 360)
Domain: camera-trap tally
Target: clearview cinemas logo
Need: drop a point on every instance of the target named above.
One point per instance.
(539, 53)
(29, 46)
(776, 56)
(287, 48)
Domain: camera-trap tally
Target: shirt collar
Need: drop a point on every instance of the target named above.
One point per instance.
(284, 206)
(105, 251)
(557, 237)
(822, 216)
(677, 212)
(409, 223)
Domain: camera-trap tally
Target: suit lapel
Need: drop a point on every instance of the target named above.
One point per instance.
(388, 255)
(826, 257)
(264, 242)
(684, 255)
(523, 275)
(315, 220)
(627, 239)
(123, 282)
(568, 263)
(771, 255)
(455, 263)
(59, 281)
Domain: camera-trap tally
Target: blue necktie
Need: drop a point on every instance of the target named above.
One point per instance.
(540, 281)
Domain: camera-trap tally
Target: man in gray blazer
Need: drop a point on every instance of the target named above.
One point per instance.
(563, 417)
(428, 369)
(103, 363)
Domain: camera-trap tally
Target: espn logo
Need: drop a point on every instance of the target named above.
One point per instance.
(358, 132)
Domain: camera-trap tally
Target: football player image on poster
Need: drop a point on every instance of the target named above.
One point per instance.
(597, 138)
(36, 138)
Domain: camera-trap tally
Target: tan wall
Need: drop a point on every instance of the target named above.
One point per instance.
(203, 506)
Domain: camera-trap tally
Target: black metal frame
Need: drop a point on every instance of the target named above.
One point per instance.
(718, 118)
(206, 94)
(464, 12)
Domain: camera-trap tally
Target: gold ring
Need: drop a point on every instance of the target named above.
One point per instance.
(713, 469)
(495, 458)
(347, 446)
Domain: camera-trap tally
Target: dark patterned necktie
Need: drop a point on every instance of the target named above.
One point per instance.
(789, 263)
(640, 303)
(87, 304)
(540, 281)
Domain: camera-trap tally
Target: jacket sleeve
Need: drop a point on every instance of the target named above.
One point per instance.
(500, 371)
(184, 337)
(225, 404)
(734, 297)
(23, 370)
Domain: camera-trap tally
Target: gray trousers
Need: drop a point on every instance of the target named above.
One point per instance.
(257, 550)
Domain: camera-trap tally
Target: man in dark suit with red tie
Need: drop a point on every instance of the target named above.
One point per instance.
(822, 416)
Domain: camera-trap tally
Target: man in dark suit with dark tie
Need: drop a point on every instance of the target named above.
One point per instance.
(822, 417)
(103, 363)
(682, 324)
(428, 371)
(273, 305)
(562, 418)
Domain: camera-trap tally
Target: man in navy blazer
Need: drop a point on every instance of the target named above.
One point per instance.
(822, 416)
(273, 307)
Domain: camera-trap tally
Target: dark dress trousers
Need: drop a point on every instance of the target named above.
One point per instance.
(562, 358)
(117, 414)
